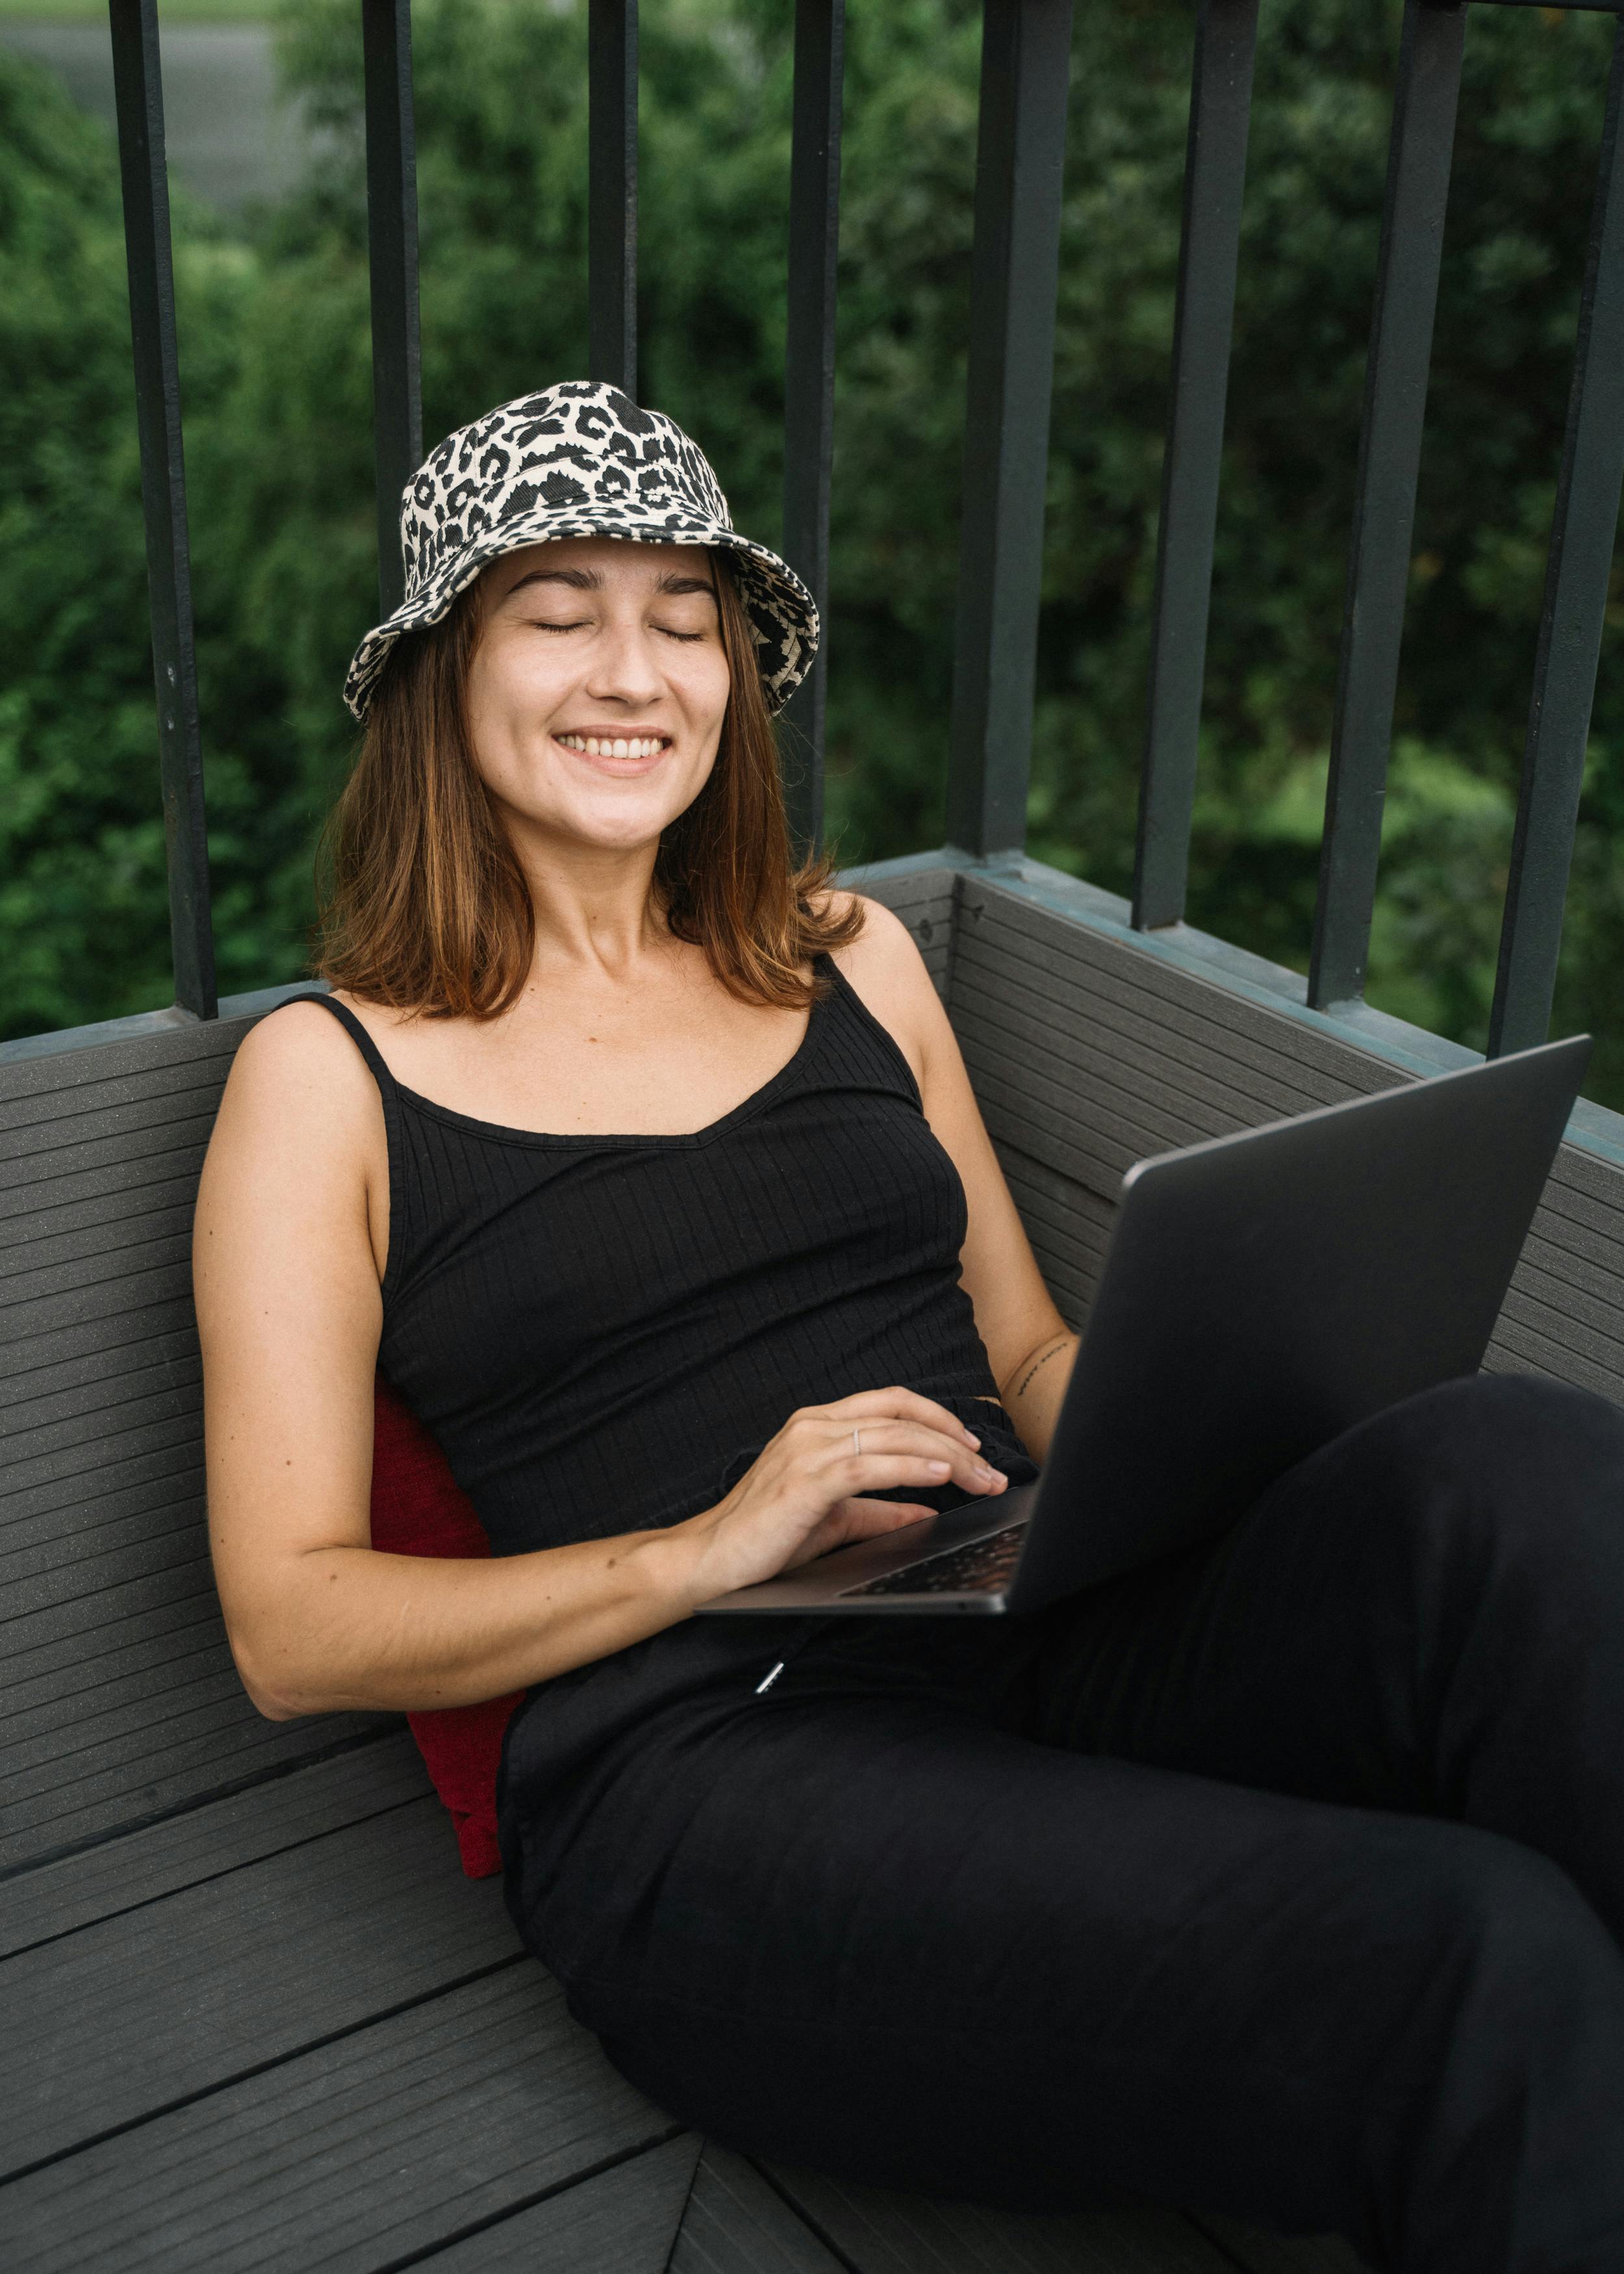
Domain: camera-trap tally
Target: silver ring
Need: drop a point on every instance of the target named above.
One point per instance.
(857, 1443)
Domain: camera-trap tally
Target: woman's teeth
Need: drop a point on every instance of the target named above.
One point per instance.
(628, 745)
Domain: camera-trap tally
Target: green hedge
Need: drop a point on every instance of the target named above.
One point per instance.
(276, 370)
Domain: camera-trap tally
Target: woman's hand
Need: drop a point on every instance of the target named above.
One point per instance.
(809, 1489)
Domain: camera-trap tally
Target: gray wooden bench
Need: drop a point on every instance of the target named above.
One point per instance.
(254, 2015)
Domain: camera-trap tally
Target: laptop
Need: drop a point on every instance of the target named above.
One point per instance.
(1260, 1294)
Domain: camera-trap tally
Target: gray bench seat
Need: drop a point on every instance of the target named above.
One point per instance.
(256, 2017)
(281, 2030)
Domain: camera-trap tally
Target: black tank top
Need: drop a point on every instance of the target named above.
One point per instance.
(602, 1333)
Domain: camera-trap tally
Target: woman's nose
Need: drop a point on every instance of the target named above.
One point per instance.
(625, 668)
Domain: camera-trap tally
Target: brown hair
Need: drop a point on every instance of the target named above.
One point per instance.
(425, 906)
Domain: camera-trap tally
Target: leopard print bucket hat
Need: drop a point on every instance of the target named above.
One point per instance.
(580, 459)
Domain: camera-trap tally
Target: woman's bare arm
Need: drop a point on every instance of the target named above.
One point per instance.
(287, 1282)
(1029, 1344)
(290, 1241)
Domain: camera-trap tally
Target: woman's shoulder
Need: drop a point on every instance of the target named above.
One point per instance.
(883, 950)
(297, 1164)
(298, 1032)
(883, 965)
(299, 1068)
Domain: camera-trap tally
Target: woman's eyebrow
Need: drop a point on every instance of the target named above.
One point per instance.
(579, 580)
(588, 580)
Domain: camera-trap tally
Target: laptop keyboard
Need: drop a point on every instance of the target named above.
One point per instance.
(980, 1568)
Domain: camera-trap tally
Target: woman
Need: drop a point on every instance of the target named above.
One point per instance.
(1284, 1878)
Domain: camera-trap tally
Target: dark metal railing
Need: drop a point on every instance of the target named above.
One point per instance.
(391, 244)
(1431, 48)
(1014, 273)
(611, 193)
(139, 90)
(1209, 248)
(809, 374)
(1582, 530)
(1014, 278)
(1582, 539)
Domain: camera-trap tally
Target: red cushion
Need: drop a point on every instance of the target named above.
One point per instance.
(419, 1509)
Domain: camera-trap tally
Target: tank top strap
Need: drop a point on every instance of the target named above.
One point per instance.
(362, 1040)
(859, 1037)
(388, 1089)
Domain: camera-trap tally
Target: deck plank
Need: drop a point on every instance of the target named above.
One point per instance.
(394, 2142)
(736, 2223)
(142, 2011)
(100, 1500)
(622, 2222)
(881, 2233)
(58, 1899)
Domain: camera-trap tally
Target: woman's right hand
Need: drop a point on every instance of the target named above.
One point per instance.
(811, 1488)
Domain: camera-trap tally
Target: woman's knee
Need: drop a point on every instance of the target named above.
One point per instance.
(1511, 1946)
(1493, 2130)
(1500, 1430)
(1489, 1504)
(1510, 1471)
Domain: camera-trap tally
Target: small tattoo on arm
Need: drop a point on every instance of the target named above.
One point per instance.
(1038, 1365)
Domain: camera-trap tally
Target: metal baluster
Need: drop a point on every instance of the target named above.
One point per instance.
(611, 193)
(1583, 529)
(1020, 157)
(1214, 178)
(1395, 378)
(809, 377)
(139, 95)
(392, 245)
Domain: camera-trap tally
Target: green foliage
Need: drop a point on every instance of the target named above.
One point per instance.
(277, 373)
(81, 846)
(170, 12)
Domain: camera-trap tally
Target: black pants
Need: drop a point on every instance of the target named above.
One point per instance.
(1285, 1879)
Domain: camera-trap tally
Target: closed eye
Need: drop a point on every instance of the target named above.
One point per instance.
(586, 624)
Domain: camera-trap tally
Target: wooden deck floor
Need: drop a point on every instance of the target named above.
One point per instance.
(280, 2031)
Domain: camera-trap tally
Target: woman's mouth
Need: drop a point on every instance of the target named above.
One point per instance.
(629, 749)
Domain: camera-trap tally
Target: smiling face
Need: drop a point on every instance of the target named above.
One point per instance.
(598, 689)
